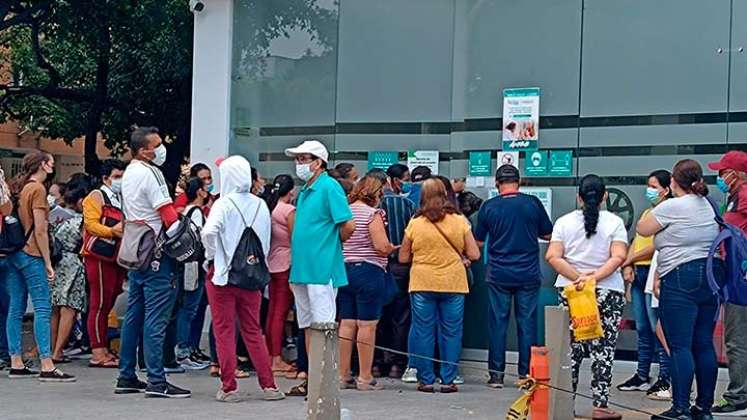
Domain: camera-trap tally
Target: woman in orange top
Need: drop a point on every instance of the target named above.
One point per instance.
(105, 278)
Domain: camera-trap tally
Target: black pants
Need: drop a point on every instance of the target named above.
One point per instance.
(394, 326)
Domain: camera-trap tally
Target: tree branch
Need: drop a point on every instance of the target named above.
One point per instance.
(19, 15)
(51, 92)
(54, 76)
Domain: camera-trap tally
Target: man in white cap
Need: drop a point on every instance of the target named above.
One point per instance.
(323, 222)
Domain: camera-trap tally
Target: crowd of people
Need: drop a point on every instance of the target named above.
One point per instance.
(387, 254)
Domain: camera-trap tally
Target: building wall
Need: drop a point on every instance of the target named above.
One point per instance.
(15, 142)
(629, 86)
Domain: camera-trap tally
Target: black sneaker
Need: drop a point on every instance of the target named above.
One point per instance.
(22, 373)
(698, 413)
(130, 386)
(636, 383)
(4, 364)
(166, 391)
(495, 381)
(56, 375)
(673, 413)
(199, 356)
(726, 408)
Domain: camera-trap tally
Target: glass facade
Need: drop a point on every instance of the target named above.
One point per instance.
(628, 87)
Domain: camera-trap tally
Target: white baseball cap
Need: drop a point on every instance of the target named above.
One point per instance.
(311, 147)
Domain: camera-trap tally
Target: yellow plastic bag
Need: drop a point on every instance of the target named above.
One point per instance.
(582, 304)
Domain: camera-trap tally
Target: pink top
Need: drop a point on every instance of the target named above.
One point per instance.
(280, 256)
(360, 246)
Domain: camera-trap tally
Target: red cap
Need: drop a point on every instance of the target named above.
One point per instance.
(734, 160)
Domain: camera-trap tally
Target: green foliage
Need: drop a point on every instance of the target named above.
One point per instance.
(103, 65)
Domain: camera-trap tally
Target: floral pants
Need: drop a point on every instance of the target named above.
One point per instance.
(601, 350)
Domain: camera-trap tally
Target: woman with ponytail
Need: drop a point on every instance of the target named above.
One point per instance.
(685, 228)
(590, 244)
(30, 270)
(283, 217)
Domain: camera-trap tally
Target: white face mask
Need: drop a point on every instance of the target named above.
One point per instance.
(117, 186)
(304, 172)
(160, 157)
(51, 201)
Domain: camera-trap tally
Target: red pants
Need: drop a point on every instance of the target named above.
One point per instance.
(227, 305)
(281, 298)
(105, 284)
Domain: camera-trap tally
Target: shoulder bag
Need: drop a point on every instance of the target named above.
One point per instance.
(467, 263)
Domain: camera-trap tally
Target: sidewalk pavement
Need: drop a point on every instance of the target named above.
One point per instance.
(92, 396)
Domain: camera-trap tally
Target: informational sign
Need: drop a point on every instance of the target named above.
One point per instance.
(427, 158)
(508, 158)
(480, 164)
(561, 163)
(475, 181)
(535, 163)
(544, 195)
(521, 110)
(382, 160)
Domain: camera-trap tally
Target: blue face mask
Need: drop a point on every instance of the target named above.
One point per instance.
(210, 188)
(406, 187)
(722, 185)
(652, 195)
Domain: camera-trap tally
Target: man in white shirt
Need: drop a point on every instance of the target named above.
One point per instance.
(152, 292)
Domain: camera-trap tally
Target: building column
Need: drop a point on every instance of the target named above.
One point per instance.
(211, 82)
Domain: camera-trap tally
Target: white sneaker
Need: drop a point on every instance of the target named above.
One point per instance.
(662, 395)
(410, 376)
(272, 394)
(189, 364)
(459, 380)
(228, 397)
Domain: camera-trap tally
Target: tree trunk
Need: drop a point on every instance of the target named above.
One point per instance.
(96, 112)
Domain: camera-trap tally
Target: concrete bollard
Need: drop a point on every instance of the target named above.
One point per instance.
(557, 341)
(324, 385)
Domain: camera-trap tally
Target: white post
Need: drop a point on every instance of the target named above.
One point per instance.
(557, 341)
(211, 82)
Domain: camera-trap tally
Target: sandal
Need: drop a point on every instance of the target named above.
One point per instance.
(242, 374)
(371, 385)
(214, 370)
(426, 388)
(449, 389)
(299, 390)
(110, 363)
(62, 361)
(348, 383)
(603, 413)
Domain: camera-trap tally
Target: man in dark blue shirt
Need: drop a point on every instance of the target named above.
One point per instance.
(394, 325)
(512, 223)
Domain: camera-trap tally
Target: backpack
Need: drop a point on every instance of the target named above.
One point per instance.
(185, 245)
(733, 287)
(104, 249)
(13, 238)
(248, 268)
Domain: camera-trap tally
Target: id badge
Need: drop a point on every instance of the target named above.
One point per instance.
(191, 276)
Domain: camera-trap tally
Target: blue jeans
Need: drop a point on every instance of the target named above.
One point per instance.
(646, 336)
(688, 311)
(525, 309)
(27, 276)
(198, 323)
(4, 304)
(665, 361)
(152, 293)
(436, 315)
(189, 303)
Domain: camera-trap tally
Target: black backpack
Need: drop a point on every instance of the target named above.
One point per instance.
(248, 266)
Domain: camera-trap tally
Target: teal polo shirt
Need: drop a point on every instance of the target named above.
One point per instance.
(316, 248)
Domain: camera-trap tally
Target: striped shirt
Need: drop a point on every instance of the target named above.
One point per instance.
(360, 246)
(399, 210)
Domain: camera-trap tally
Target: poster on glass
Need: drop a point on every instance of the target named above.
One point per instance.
(521, 110)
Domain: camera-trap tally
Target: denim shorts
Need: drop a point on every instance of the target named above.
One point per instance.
(362, 299)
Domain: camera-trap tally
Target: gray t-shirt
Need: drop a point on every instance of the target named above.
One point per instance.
(689, 230)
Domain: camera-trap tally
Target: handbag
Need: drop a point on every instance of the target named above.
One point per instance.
(467, 263)
(138, 246)
(104, 249)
